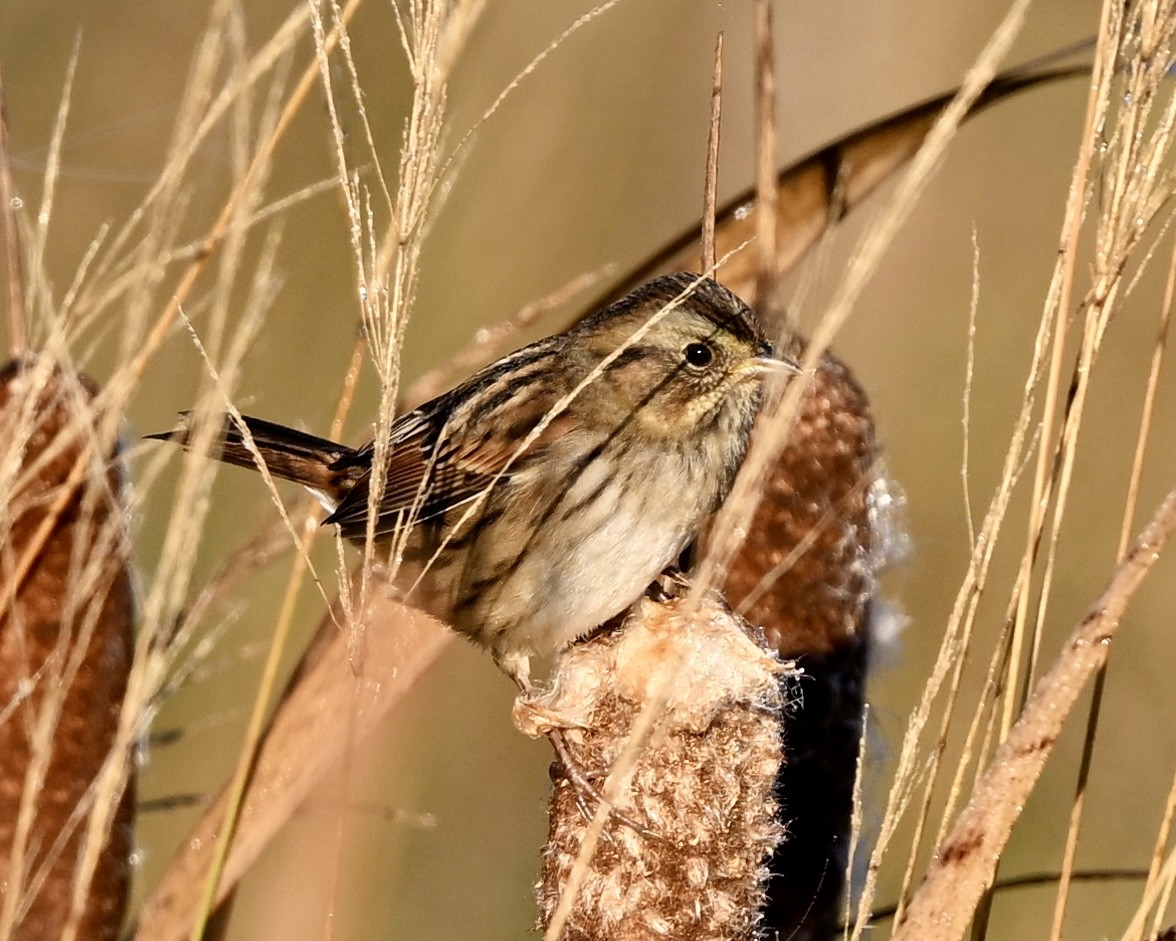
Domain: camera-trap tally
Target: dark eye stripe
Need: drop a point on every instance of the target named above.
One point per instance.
(630, 355)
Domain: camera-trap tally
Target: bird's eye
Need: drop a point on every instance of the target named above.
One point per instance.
(699, 355)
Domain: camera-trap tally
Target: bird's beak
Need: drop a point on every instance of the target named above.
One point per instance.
(770, 364)
(779, 364)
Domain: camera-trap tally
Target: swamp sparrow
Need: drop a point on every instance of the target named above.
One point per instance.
(542, 496)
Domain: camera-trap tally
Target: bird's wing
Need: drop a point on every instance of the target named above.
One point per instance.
(436, 465)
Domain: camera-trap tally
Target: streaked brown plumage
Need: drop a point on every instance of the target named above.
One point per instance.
(544, 494)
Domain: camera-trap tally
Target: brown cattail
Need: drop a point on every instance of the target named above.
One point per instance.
(700, 781)
(65, 650)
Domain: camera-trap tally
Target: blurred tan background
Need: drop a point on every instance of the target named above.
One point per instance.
(597, 158)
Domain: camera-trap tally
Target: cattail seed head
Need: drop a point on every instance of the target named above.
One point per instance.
(701, 782)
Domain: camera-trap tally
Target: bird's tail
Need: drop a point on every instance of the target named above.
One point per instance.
(319, 464)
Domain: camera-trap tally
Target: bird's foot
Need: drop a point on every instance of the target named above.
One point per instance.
(580, 779)
(533, 718)
(670, 584)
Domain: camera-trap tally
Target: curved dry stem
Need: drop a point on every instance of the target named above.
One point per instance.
(967, 859)
(301, 744)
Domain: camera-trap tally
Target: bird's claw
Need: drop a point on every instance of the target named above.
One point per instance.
(580, 780)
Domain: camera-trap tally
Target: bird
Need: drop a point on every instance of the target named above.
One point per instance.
(542, 496)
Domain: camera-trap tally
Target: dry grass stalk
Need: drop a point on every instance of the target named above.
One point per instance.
(710, 188)
(807, 576)
(15, 312)
(66, 626)
(966, 862)
(768, 260)
(702, 781)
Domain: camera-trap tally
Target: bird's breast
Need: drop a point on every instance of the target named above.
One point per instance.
(574, 541)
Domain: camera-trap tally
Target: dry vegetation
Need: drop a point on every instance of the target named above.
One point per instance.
(179, 301)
